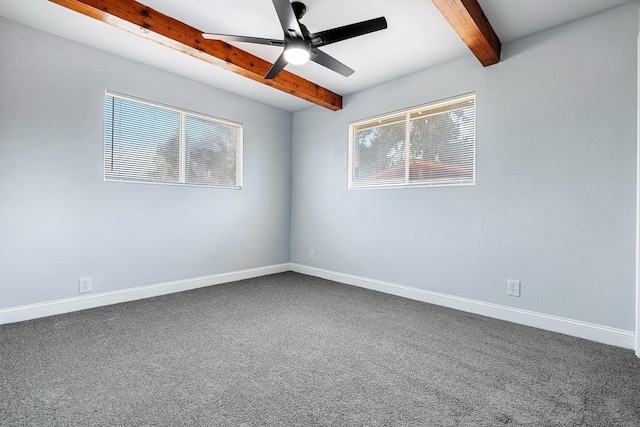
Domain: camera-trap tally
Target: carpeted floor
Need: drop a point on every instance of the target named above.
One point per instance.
(290, 349)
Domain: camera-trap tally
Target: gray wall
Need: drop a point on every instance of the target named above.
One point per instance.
(59, 221)
(554, 203)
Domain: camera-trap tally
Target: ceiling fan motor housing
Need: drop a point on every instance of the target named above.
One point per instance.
(299, 9)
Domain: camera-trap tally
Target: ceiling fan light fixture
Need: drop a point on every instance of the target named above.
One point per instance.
(300, 46)
(297, 53)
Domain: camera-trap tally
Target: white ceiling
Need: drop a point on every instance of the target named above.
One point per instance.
(418, 37)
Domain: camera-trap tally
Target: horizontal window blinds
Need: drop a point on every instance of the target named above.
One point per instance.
(431, 145)
(211, 152)
(144, 142)
(141, 142)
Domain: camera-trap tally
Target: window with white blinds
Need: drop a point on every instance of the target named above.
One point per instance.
(425, 146)
(147, 142)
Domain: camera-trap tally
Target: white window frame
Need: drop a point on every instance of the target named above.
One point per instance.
(405, 116)
(182, 146)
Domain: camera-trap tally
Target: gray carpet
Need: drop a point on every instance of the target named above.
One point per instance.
(289, 349)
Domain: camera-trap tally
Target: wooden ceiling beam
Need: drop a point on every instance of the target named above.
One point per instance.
(143, 21)
(471, 24)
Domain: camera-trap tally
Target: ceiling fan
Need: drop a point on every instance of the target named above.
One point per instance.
(301, 46)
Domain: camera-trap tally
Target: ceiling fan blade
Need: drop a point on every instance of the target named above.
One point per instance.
(276, 67)
(330, 62)
(334, 35)
(288, 20)
(232, 38)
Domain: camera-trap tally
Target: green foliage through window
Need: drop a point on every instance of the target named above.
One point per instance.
(145, 142)
(430, 145)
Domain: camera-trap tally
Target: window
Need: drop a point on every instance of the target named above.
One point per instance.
(429, 145)
(146, 142)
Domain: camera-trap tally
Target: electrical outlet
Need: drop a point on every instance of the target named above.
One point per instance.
(84, 285)
(513, 288)
(296, 258)
(312, 254)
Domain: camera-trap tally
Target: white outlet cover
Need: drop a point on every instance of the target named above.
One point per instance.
(513, 288)
(84, 285)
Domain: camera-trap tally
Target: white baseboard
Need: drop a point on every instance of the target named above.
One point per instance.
(589, 331)
(34, 311)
